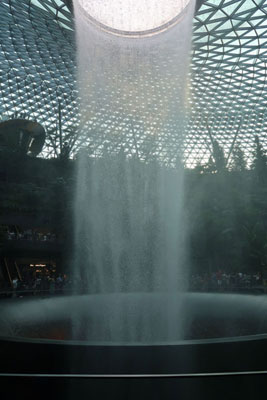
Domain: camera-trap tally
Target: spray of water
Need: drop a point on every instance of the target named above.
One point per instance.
(130, 219)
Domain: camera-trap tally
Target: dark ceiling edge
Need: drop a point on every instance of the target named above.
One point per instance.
(69, 4)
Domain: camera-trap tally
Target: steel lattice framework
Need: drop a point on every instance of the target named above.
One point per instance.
(228, 72)
(228, 76)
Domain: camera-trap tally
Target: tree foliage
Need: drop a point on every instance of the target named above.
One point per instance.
(228, 211)
(225, 203)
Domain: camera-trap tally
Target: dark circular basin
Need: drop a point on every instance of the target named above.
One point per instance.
(128, 340)
(134, 318)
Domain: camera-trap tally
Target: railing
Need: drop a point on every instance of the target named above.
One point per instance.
(70, 290)
(35, 292)
(134, 376)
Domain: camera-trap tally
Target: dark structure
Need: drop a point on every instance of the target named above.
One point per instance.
(35, 206)
(27, 137)
(197, 369)
(49, 372)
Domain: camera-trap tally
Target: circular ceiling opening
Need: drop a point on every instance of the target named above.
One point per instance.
(134, 17)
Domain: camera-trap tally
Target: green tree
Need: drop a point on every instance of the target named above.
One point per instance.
(217, 160)
(218, 157)
(259, 163)
(239, 162)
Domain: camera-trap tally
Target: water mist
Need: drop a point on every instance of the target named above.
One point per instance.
(130, 236)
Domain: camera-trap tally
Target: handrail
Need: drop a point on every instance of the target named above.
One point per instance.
(127, 376)
(63, 290)
(8, 272)
(18, 271)
(35, 291)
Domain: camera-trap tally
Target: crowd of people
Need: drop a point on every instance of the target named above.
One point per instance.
(40, 284)
(214, 282)
(31, 235)
(224, 282)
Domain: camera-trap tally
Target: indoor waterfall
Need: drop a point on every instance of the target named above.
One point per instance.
(130, 219)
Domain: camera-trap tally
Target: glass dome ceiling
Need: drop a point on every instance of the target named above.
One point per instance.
(227, 93)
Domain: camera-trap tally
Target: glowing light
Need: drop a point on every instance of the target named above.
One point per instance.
(134, 17)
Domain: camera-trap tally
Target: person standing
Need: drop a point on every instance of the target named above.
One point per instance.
(15, 286)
